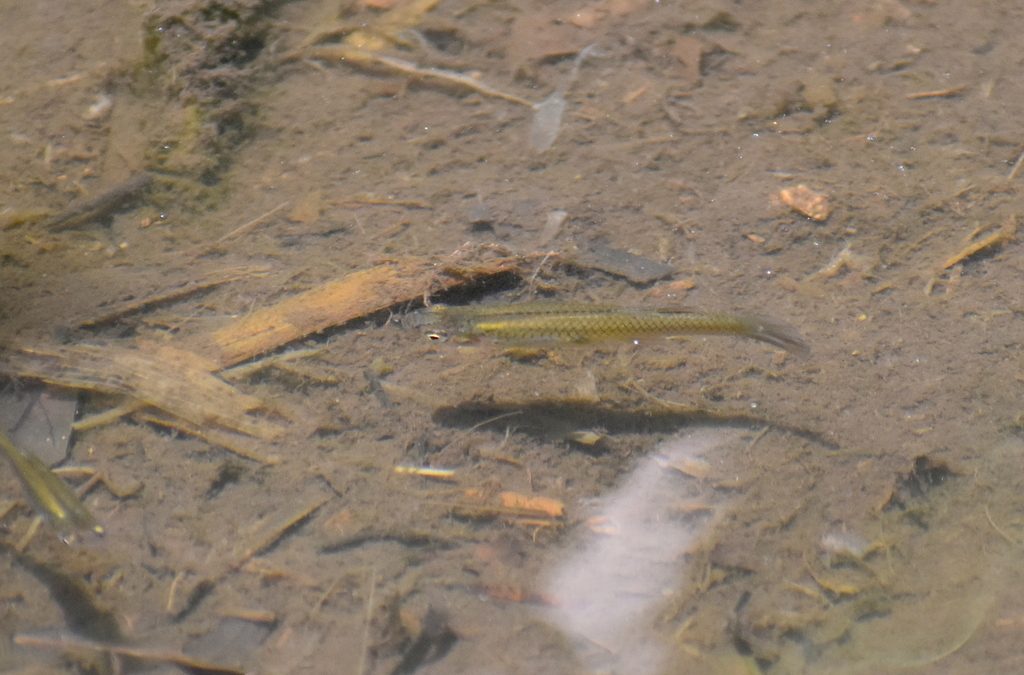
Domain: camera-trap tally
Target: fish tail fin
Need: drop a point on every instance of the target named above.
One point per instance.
(776, 333)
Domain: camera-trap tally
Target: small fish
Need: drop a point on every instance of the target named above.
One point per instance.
(101, 206)
(52, 498)
(581, 323)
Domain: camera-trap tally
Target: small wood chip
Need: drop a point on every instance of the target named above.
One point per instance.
(940, 93)
(540, 505)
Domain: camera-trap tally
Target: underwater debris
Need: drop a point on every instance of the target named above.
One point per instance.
(547, 116)
(178, 384)
(1000, 236)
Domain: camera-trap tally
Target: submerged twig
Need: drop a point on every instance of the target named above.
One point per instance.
(468, 80)
(995, 527)
(141, 301)
(368, 612)
(1004, 234)
(66, 643)
(1016, 166)
(242, 229)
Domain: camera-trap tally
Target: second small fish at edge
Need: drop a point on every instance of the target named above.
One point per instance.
(52, 498)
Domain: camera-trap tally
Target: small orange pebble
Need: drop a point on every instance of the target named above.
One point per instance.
(807, 202)
(546, 505)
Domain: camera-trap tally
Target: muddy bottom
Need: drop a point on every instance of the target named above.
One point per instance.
(700, 504)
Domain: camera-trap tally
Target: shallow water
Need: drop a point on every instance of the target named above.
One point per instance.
(865, 513)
